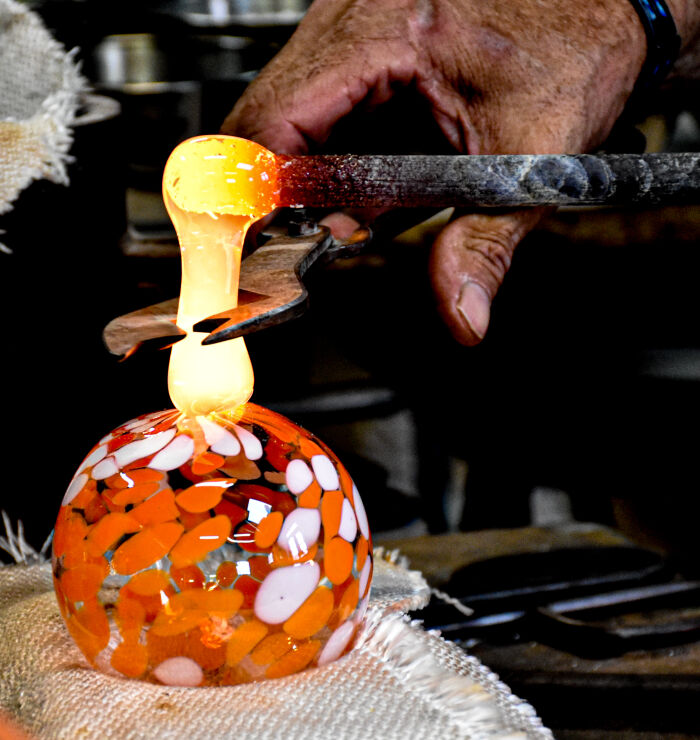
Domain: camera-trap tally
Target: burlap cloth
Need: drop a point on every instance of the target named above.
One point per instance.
(399, 682)
(40, 89)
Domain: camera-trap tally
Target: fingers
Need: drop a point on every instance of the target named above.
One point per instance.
(386, 223)
(497, 81)
(287, 114)
(342, 225)
(328, 67)
(468, 262)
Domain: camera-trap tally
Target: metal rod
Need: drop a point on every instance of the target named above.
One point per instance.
(488, 181)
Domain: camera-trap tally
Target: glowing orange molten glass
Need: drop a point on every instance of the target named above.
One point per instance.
(214, 188)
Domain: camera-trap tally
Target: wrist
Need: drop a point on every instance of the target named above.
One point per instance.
(686, 15)
(663, 44)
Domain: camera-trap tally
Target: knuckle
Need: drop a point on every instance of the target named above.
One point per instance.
(493, 249)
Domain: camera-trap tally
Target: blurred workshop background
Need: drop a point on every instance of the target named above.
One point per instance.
(580, 405)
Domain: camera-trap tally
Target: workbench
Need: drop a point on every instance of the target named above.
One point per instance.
(636, 696)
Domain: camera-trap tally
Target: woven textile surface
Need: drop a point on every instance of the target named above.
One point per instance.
(399, 682)
(40, 89)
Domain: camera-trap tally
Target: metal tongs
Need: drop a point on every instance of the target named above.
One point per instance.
(271, 287)
(271, 290)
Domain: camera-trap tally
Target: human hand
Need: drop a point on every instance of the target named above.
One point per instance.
(523, 77)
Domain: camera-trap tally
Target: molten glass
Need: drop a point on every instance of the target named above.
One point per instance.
(214, 188)
(218, 543)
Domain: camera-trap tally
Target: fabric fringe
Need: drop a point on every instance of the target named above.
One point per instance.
(61, 109)
(478, 701)
(392, 556)
(17, 547)
(45, 132)
(456, 603)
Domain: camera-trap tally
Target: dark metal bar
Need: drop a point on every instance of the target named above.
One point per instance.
(477, 181)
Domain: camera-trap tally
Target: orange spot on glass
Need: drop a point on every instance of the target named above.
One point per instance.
(312, 615)
(268, 529)
(259, 566)
(71, 530)
(82, 582)
(89, 627)
(203, 496)
(280, 558)
(337, 559)
(200, 541)
(243, 640)
(146, 547)
(272, 648)
(218, 603)
(130, 659)
(95, 509)
(294, 661)
(170, 625)
(249, 588)
(311, 497)
(149, 582)
(157, 509)
(331, 511)
(134, 495)
(188, 577)
(108, 531)
(131, 616)
(362, 552)
(348, 601)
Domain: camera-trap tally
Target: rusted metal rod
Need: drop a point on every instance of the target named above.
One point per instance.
(488, 181)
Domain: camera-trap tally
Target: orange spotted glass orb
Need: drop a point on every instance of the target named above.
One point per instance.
(212, 550)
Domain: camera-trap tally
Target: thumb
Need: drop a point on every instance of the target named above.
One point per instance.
(468, 262)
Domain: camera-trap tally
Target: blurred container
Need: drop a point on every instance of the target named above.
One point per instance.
(171, 87)
(121, 60)
(237, 13)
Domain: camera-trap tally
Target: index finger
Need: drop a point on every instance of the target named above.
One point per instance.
(323, 72)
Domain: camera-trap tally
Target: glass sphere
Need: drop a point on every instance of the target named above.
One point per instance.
(211, 550)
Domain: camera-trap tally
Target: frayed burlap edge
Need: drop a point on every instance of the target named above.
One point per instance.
(428, 673)
(38, 147)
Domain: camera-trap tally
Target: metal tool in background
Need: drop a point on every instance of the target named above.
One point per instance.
(271, 277)
(592, 602)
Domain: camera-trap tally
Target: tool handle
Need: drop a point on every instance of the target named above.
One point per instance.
(486, 181)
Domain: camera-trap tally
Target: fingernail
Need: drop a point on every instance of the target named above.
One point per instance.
(475, 306)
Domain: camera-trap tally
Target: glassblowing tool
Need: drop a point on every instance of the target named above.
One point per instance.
(594, 602)
(271, 292)
(271, 287)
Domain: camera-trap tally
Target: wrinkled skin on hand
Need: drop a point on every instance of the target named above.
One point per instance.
(523, 76)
